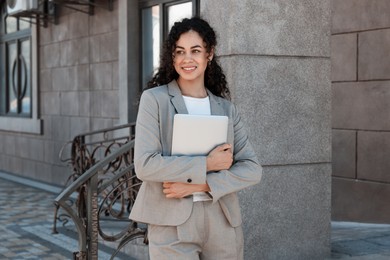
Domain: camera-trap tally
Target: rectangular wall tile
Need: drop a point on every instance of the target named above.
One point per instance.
(70, 103)
(101, 75)
(344, 153)
(36, 149)
(109, 46)
(61, 128)
(374, 156)
(344, 57)
(360, 201)
(74, 52)
(84, 103)
(78, 25)
(79, 125)
(81, 76)
(103, 21)
(50, 55)
(374, 54)
(45, 80)
(359, 15)
(63, 78)
(110, 104)
(361, 105)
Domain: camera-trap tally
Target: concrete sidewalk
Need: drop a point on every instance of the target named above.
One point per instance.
(26, 222)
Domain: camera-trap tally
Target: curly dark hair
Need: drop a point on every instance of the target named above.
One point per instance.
(214, 79)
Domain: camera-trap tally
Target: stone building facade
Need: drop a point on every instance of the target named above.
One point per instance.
(361, 110)
(276, 55)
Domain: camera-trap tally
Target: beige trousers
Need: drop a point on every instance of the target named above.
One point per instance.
(206, 235)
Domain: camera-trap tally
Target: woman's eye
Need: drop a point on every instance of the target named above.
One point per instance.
(196, 51)
(179, 52)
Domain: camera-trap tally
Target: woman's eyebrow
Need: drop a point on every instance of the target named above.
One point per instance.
(196, 46)
(193, 47)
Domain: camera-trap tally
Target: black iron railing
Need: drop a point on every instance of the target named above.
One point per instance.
(101, 190)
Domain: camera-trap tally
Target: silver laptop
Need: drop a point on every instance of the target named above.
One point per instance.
(198, 134)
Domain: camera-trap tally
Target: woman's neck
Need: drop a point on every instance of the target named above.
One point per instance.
(192, 89)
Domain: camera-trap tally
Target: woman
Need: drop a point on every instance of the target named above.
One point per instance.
(190, 203)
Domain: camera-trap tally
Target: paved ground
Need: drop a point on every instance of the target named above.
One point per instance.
(26, 218)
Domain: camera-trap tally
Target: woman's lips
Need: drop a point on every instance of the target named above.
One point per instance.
(189, 68)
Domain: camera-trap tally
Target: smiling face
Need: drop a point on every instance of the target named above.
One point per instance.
(190, 57)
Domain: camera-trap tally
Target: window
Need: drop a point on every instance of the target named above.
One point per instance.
(157, 17)
(18, 95)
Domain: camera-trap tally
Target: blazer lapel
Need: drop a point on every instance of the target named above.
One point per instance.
(215, 105)
(176, 98)
(178, 101)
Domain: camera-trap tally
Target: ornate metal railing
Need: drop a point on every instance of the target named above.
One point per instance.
(101, 190)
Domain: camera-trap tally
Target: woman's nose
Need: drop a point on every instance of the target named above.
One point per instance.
(188, 56)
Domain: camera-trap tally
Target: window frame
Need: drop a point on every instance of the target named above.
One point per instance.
(164, 30)
(20, 122)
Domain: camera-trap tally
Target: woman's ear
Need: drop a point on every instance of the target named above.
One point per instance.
(211, 54)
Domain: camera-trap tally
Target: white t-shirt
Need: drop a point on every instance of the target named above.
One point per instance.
(198, 106)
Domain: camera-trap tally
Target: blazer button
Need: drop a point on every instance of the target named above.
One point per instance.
(189, 180)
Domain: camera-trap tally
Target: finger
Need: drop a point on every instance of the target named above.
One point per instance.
(224, 147)
(170, 196)
(167, 184)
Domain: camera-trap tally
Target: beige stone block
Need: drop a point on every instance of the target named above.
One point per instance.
(344, 57)
(61, 128)
(50, 103)
(60, 79)
(84, 103)
(74, 52)
(78, 25)
(101, 75)
(374, 55)
(70, 103)
(374, 156)
(81, 77)
(109, 47)
(94, 48)
(60, 31)
(96, 99)
(360, 201)
(45, 80)
(50, 55)
(359, 15)
(103, 21)
(79, 125)
(344, 153)
(36, 149)
(361, 105)
(110, 104)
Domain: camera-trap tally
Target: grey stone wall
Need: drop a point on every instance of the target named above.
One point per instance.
(276, 55)
(361, 110)
(78, 92)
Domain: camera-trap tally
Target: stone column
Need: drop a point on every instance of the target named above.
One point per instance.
(128, 74)
(276, 56)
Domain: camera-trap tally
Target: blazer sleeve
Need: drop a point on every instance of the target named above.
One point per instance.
(149, 162)
(244, 172)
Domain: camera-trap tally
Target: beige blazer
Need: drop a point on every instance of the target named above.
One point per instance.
(154, 163)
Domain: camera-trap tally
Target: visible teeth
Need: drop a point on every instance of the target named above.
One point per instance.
(189, 68)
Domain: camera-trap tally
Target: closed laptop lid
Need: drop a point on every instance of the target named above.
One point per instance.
(198, 134)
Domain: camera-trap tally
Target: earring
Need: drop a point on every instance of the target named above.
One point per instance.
(209, 62)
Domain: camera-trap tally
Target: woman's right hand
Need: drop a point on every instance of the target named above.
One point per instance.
(220, 158)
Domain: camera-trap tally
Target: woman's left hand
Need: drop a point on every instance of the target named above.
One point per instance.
(177, 190)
